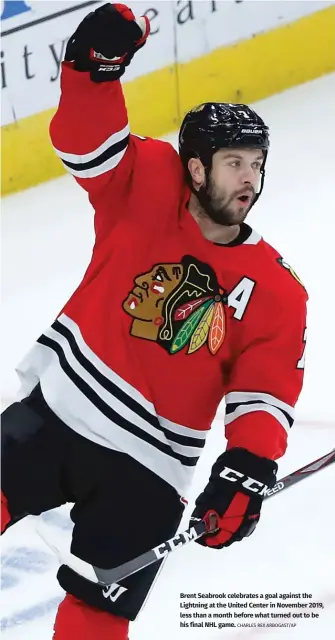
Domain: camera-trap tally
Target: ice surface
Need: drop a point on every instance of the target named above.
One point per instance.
(47, 240)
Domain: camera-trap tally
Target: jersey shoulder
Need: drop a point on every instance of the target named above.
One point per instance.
(157, 150)
(284, 282)
(156, 161)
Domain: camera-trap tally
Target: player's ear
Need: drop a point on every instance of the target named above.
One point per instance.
(197, 172)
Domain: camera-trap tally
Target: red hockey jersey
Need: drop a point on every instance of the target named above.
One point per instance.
(165, 323)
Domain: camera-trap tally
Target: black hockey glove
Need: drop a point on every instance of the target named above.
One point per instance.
(106, 41)
(231, 502)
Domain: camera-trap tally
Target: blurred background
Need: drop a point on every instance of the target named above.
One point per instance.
(232, 51)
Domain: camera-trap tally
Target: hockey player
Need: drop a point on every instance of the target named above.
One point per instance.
(182, 304)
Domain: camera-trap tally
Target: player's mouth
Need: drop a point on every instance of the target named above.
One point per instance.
(245, 198)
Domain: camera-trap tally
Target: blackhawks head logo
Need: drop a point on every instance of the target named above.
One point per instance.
(178, 305)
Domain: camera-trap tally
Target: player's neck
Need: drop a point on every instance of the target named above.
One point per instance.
(209, 229)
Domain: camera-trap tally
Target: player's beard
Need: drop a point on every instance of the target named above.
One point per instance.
(219, 207)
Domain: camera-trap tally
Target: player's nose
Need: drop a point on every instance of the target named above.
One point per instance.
(247, 175)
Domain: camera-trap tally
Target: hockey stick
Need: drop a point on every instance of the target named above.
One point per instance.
(106, 577)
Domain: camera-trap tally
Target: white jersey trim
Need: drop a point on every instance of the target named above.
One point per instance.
(239, 403)
(104, 409)
(92, 155)
(254, 238)
(111, 163)
(104, 158)
(124, 385)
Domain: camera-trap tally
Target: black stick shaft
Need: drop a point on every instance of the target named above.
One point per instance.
(109, 576)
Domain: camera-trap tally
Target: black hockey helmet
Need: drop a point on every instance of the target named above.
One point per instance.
(215, 125)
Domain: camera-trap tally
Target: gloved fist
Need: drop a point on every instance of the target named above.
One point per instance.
(233, 497)
(106, 41)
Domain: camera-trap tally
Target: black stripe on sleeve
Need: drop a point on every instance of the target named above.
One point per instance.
(231, 406)
(100, 159)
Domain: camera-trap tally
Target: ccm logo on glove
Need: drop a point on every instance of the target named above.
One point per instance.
(249, 483)
(231, 502)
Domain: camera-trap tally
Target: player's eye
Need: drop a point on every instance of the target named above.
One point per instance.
(256, 164)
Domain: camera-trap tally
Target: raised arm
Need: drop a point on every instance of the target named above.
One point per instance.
(90, 130)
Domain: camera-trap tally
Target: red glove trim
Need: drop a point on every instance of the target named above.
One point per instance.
(230, 521)
(125, 11)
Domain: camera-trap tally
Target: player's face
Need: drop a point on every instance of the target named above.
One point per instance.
(233, 184)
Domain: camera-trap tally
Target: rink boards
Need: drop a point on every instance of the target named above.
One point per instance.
(234, 53)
